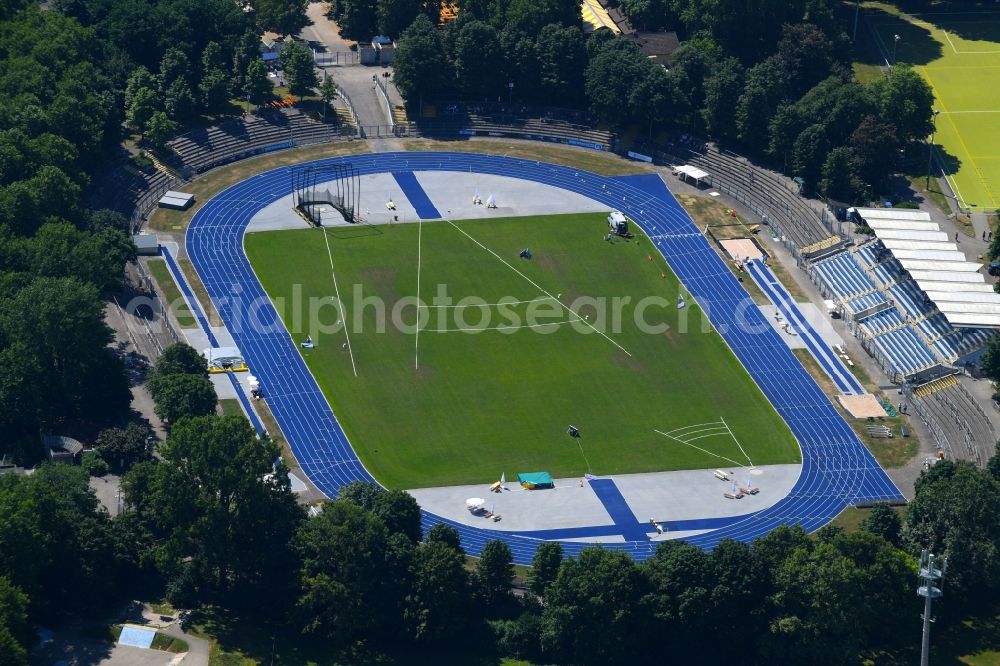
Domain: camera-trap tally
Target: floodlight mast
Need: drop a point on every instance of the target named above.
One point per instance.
(929, 574)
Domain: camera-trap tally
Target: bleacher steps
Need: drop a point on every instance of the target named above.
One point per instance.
(935, 386)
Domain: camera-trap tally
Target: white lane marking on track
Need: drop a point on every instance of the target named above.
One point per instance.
(416, 337)
(536, 286)
(343, 312)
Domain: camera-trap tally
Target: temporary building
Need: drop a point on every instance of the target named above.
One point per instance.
(533, 480)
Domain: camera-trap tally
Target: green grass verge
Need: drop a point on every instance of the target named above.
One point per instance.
(889, 453)
(230, 406)
(500, 401)
(850, 519)
(171, 293)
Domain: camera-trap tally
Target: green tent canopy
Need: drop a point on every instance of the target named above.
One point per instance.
(532, 480)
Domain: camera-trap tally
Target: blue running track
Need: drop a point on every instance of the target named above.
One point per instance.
(415, 193)
(837, 470)
(619, 510)
(846, 382)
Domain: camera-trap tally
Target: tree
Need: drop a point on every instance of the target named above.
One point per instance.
(495, 574)
(178, 102)
(179, 359)
(58, 325)
(174, 67)
(327, 92)
(361, 493)
(990, 360)
(257, 88)
(123, 447)
(722, 90)
(357, 19)
(139, 111)
(809, 153)
(160, 128)
(215, 90)
(177, 396)
(883, 522)
(285, 17)
(46, 520)
(475, 51)
(400, 511)
(446, 534)
(219, 511)
(993, 465)
(679, 583)
(438, 605)
(544, 567)
(592, 611)
(762, 94)
(611, 77)
(344, 576)
(907, 99)
(805, 55)
(419, 64)
(956, 512)
(393, 16)
(300, 70)
(15, 632)
(875, 144)
(562, 60)
(839, 180)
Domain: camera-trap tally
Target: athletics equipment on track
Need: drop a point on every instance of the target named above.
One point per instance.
(837, 470)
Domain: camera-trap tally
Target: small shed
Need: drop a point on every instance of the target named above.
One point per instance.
(176, 200)
(535, 480)
(384, 48)
(146, 245)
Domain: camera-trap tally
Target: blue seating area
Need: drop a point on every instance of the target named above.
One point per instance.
(866, 301)
(886, 272)
(935, 326)
(961, 342)
(883, 321)
(908, 296)
(844, 276)
(905, 350)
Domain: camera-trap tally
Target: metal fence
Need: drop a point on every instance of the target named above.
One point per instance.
(335, 58)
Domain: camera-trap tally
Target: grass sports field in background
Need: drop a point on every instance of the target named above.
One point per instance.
(959, 55)
(446, 407)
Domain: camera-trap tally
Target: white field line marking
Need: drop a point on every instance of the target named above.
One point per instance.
(483, 305)
(416, 337)
(499, 328)
(710, 424)
(343, 313)
(580, 444)
(536, 286)
(698, 447)
(955, 113)
(951, 43)
(731, 434)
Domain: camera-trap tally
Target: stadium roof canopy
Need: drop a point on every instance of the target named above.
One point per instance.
(939, 267)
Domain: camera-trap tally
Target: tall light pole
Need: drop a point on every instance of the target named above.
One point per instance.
(929, 574)
(857, 13)
(895, 43)
(510, 95)
(930, 148)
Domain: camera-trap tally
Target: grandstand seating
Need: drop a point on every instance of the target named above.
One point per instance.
(885, 272)
(205, 148)
(905, 351)
(934, 327)
(844, 276)
(960, 342)
(465, 120)
(882, 322)
(909, 297)
(865, 301)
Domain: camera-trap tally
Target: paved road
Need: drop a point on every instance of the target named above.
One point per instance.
(354, 80)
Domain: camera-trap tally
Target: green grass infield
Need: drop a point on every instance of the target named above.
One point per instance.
(447, 406)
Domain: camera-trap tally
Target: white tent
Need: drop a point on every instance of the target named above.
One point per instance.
(895, 234)
(892, 214)
(930, 255)
(913, 225)
(694, 173)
